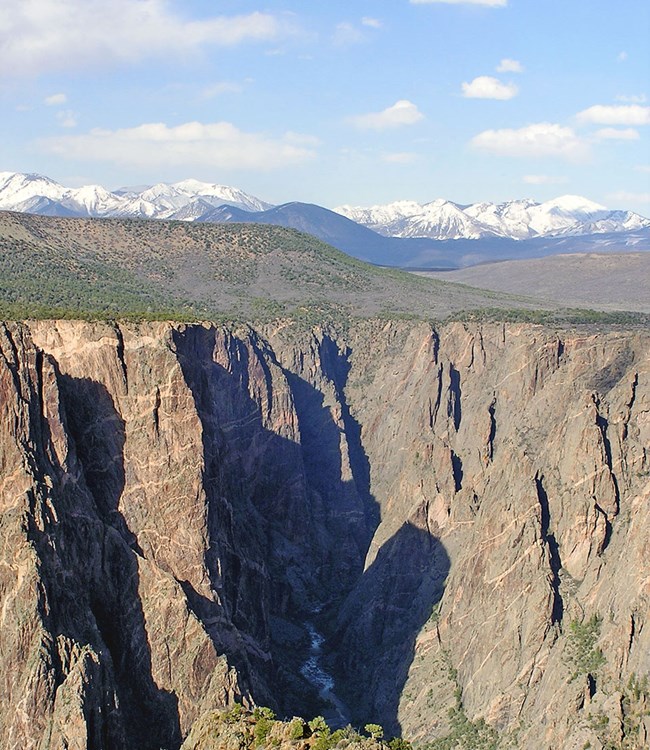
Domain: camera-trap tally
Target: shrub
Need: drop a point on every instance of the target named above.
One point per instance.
(375, 731)
(582, 655)
(262, 712)
(296, 729)
(318, 725)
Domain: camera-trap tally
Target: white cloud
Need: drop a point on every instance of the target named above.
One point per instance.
(400, 157)
(67, 118)
(538, 140)
(486, 87)
(373, 23)
(222, 87)
(219, 144)
(617, 134)
(624, 197)
(403, 112)
(40, 35)
(55, 99)
(544, 179)
(632, 99)
(619, 114)
(622, 56)
(346, 33)
(510, 66)
(490, 3)
(643, 168)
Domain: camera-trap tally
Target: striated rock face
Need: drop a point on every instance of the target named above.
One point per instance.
(452, 508)
(512, 466)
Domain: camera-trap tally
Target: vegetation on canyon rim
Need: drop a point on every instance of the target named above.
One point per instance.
(259, 728)
(137, 270)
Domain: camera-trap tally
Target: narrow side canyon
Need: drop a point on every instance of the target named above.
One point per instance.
(461, 512)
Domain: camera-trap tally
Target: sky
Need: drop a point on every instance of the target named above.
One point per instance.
(360, 102)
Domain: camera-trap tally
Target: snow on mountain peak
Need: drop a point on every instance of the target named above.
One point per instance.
(517, 219)
(440, 219)
(573, 204)
(26, 192)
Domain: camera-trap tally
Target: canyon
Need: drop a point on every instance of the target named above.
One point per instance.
(461, 510)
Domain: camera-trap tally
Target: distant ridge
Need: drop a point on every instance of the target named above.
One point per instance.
(439, 234)
(568, 215)
(26, 193)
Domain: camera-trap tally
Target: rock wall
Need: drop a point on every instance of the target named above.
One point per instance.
(453, 508)
(512, 468)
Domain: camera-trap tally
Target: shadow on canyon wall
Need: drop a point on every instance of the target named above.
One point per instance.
(288, 538)
(288, 534)
(93, 582)
(381, 619)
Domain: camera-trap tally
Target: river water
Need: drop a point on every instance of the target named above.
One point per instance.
(334, 711)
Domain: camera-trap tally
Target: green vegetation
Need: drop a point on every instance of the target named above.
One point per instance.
(260, 729)
(559, 316)
(375, 731)
(54, 267)
(582, 655)
(636, 708)
(464, 733)
(40, 284)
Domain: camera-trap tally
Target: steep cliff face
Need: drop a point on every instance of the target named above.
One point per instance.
(512, 469)
(450, 507)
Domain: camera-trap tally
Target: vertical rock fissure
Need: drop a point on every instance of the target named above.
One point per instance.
(433, 412)
(548, 538)
(630, 404)
(457, 471)
(120, 354)
(602, 424)
(493, 428)
(454, 403)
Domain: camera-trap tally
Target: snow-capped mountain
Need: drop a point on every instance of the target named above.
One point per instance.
(519, 219)
(186, 200)
(192, 200)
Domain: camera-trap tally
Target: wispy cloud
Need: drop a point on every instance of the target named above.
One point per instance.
(624, 197)
(55, 100)
(347, 33)
(490, 3)
(222, 87)
(615, 114)
(219, 144)
(67, 118)
(486, 87)
(399, 157)
(632, 98)
(617, 134)
(538, 140)
(544, 179)
(40, 35)
(403, 112)
(508, 65)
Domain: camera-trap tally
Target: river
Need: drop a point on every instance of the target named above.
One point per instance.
(334, 711)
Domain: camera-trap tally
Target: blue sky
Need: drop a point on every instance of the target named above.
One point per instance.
(359, 102)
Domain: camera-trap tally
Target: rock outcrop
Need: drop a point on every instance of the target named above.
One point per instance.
(463, 512)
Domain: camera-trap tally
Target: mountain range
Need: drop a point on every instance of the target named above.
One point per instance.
(569, 215)
(186, 200)
(404, 233)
